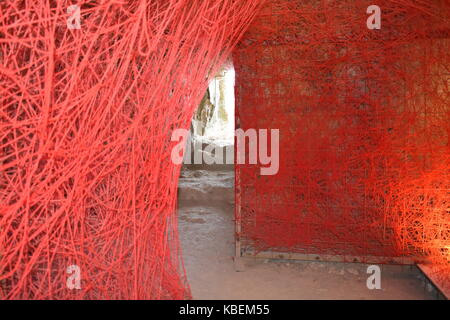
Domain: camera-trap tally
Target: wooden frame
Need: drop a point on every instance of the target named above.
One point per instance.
(273, 255)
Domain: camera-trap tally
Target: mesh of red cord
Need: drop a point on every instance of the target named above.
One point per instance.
(364, 119)
(86, 117)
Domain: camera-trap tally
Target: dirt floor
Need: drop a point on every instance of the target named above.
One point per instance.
(206, 211)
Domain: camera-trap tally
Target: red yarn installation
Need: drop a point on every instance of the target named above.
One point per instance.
(86, 117)
(364, 119)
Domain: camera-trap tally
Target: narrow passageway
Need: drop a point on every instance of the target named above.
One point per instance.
(206, 224)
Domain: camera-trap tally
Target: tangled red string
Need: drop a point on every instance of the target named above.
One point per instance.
(364, 119)
(86, 117)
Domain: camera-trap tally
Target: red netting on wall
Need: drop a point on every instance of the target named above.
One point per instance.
(364, 119)
(86, 117)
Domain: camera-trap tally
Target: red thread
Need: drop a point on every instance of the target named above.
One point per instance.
(86, 119)
(364, 119)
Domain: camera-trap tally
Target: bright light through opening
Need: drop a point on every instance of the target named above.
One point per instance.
(220, 129)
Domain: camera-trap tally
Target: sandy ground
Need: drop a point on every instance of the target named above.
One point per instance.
(206, 230)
